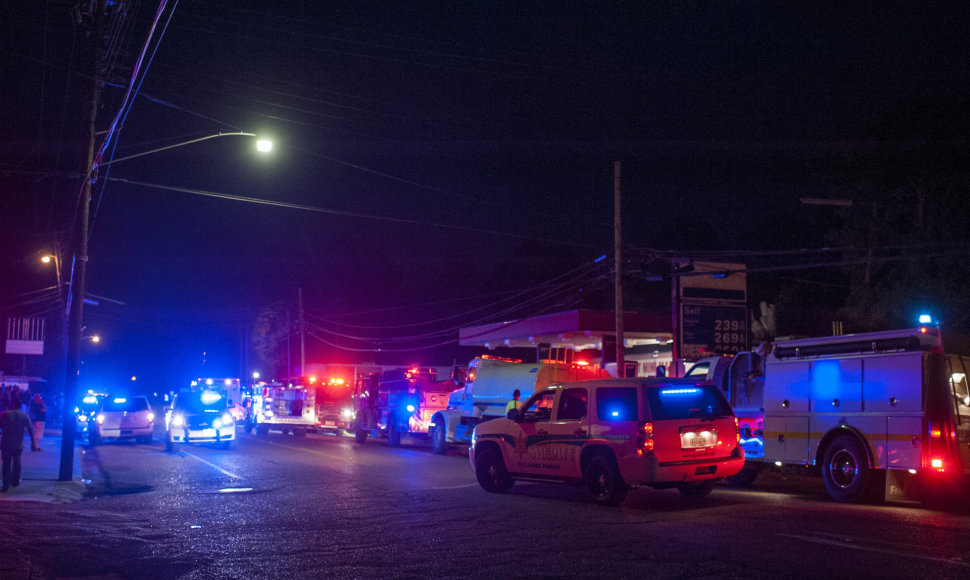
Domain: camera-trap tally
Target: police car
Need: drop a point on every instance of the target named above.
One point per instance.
(199, 417)
(613, 435)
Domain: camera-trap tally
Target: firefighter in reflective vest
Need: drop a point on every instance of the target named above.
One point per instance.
(513, 405)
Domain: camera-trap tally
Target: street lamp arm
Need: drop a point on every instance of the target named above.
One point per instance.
(166, 148)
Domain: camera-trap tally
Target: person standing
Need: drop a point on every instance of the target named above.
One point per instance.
(513, 405)
(14, 423)
(38, 410)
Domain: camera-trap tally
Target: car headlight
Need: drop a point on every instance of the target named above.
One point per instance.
(347, 413)
(100, 419)
(151, 417)
(178, 420)
(217, 423)
(227, 418)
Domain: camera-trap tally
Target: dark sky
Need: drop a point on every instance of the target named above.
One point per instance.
(441, 153)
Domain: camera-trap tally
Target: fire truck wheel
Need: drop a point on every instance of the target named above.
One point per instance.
(299, 432)
(604, 481)
(700, 489)
(393, 435)
(845, 470)
(360, 434)
(491, 472)
(439, 438)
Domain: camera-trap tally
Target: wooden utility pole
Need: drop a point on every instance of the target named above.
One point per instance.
(75, 307)
(618, 270)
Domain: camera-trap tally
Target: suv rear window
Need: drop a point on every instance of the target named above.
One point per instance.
(686, 402)
(125, 404)
(616, 404)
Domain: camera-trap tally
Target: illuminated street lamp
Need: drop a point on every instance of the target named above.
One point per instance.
(262, 145)
(76, 314)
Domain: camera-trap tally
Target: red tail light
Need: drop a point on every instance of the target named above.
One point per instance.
(939, 448)
(645, 442)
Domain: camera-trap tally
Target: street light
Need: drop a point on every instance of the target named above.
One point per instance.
(76, 304)
(262, 145)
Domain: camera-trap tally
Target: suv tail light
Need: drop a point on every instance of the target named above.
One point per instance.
(645, 440)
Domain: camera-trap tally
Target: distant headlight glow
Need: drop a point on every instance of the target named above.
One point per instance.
(226, 419)
(410, 408)
(178, 421)
(100, 419)
(347, 413)
(151, 416)
(217, 423)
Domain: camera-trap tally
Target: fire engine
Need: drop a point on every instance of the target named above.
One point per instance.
(487, 389)
(286, 406)
(335, 405)
(882, 415)
(398, 401)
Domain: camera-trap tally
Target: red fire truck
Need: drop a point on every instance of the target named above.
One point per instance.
(399, 401)
(335, 404)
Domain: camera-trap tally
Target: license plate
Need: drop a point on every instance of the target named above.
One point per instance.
(330, 423)
(695, 439)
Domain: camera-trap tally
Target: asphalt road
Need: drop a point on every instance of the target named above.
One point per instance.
(325, 507)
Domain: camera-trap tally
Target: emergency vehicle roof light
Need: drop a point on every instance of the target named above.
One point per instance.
(925, 319)
(209, 397)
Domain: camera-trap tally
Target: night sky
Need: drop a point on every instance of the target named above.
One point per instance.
(435, 159)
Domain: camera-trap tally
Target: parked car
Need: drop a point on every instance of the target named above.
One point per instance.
(199, 417)
(613, 435)
(123, 417)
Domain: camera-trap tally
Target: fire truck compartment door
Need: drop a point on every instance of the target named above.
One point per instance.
(837, 385)
(786, 439)
(787, 387)
(903, 443)
(893, 383)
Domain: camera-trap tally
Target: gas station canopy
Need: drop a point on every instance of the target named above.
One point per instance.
(575, 329)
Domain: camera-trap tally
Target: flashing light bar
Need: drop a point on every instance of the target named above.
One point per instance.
(679, 392)
(209, 397)
(120, 400)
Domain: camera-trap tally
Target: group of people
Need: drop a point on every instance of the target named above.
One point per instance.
(14, 423)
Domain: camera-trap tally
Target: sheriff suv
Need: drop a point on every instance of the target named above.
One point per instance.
(613, 435)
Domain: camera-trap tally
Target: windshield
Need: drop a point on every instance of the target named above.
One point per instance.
(125, 404)
(200, 403)
(959, 367)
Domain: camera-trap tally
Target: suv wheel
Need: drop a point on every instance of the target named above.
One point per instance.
(491, 472)
(604, 481)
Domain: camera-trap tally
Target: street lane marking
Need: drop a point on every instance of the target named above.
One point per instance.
(315, 452)
(213, 465)
(854, 546)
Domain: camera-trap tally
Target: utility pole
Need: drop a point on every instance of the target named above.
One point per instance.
(77, 289)
(302, 334)
(618, 269)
